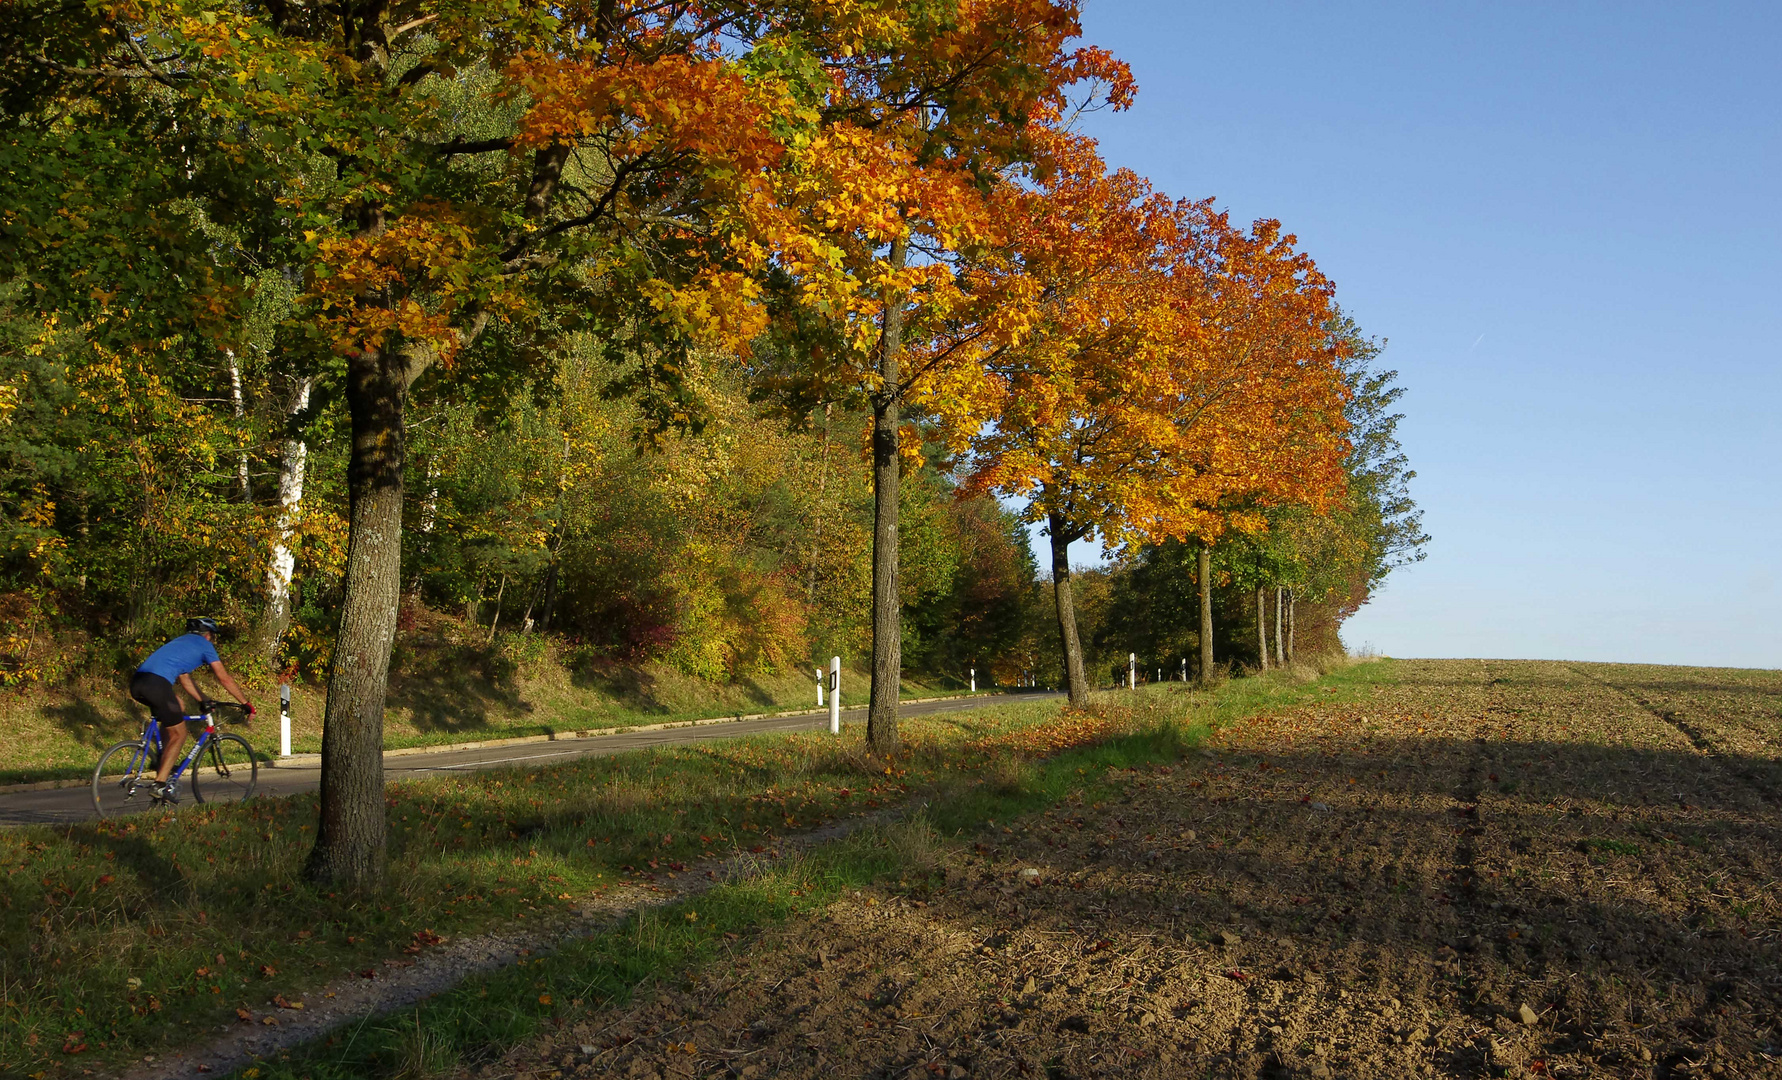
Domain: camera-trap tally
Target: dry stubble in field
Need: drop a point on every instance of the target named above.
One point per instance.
(1489, 868)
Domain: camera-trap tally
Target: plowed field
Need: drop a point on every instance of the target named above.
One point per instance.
(1484, 868)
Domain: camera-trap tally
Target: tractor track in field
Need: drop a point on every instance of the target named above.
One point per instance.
(1697, 736)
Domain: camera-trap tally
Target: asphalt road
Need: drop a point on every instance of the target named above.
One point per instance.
(76, 804)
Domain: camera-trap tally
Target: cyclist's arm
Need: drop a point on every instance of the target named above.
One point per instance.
(192, 698)
(228, 681)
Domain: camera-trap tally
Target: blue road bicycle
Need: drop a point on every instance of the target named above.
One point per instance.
(223, 767)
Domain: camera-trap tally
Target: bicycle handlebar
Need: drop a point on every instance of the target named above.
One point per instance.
(205, 707)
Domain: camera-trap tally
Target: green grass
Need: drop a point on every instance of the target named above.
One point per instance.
(1601, 848)
(206, 910)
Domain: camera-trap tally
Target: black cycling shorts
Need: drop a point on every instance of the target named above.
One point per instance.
(157, 693)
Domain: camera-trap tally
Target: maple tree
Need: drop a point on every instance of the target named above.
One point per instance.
(1182, 376)
(1330, 559)
(925, 119)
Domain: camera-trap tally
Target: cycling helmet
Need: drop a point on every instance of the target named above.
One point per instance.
(203, 624)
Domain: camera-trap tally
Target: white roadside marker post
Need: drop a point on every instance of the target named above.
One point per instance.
(835, 695)
(1132, 671)
(974, 680)
(819, 686)
(1184, 669)
(284, 719)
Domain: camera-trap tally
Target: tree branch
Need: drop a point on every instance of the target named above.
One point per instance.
(460, 145)
(412, 24)
(109, 72)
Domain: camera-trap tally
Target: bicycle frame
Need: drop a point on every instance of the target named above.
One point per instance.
(152, 745)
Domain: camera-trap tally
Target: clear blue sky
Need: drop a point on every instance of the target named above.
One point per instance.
(1565, 219)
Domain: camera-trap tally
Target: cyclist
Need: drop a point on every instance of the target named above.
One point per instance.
(174, 662)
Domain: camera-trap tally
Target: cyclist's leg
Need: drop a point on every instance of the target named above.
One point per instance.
(173, 736)
(157, 693)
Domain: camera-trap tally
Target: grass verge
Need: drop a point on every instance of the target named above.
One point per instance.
(121, 938)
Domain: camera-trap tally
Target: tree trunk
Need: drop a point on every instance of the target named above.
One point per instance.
(550, 591)
(429, 516)
(1204, 570)
(887, 627)
(1261, 628)
(1280, 631)
(293, 463)
(246, 489)
(1076, 682)
(820, 511)
(500, 591)
(350, 836)
(1291, 600)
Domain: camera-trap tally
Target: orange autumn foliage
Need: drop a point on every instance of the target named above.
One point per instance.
(1180, 365)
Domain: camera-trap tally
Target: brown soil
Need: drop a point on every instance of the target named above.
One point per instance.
(1489, 868)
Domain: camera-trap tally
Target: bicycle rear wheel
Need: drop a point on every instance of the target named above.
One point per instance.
(121, 780)
(226, 771)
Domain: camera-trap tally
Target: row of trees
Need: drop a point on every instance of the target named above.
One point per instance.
(1257, 596)
(492, 243)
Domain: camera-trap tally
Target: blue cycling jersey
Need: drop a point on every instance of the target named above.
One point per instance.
(181, 656)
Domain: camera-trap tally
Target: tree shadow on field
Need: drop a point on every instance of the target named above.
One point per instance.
(82, 719)
(163, 879)
(755, 692)
(633, 689)
(1390, 907)
(455, 690)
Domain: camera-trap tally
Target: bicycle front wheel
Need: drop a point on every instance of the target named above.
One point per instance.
(121, 780)
(226, 771)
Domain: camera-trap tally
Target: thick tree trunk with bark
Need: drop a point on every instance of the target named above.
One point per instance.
(1076, 683)
(1261, 628)
(293, 463)
(1203, 570)
(349, 849)
(887, 605)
